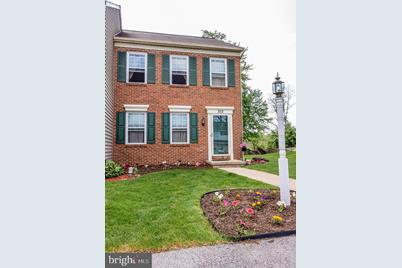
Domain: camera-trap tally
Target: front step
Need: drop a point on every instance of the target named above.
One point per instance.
(226, 163)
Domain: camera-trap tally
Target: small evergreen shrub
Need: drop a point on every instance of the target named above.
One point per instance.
(113, 169)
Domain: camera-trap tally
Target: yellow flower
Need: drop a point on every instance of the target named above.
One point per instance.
(258, 203)
(278, 218)
(253, 204)
(259, 193)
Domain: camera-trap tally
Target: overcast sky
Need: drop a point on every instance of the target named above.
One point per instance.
(267, 28)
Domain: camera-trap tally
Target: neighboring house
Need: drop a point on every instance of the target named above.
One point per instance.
(176, 98)
(112, 27)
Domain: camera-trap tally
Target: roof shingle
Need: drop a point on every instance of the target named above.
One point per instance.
(177, 39)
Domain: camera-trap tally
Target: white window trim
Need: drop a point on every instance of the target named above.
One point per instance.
(128, 67)
(226, 71)
(171, 69)
(179, 109)
(145, 128)
(136, 107)
(188, 128)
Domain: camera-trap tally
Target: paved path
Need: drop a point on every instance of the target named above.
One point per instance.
(259, 176)
(276, 253)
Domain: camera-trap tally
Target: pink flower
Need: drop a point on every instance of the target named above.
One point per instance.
(241, 210)
(225, 202)
(250, 211)
(235, 203)
(242, 222)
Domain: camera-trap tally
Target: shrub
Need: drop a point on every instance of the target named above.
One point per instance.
(113, 169)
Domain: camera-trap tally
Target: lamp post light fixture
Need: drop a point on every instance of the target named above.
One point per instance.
(278, 88)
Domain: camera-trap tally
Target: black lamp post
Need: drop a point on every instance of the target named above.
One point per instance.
(278, 87)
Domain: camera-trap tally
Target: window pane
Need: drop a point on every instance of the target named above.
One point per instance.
(135, 136)
(136, 75)
(218, 66)
(179, 79)
(179, 135)
(136, 61)
(220, 129)
(136, 120)
(218, 80)
(179, 120)
(179, 64)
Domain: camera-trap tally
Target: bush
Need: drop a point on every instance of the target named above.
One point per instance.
(113, 169)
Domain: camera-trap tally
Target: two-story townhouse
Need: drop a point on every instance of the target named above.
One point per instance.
(176, 99)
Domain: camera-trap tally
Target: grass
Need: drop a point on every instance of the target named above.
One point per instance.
(161, 210)
(272, 165)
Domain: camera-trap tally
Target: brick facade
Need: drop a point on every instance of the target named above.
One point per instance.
(158, 96)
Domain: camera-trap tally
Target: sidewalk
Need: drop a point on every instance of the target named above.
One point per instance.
(275, 253)
(260, 176)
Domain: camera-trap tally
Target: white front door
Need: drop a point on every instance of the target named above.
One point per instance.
(220, 134)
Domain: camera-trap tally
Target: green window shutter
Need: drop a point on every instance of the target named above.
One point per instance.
(120, 127)
(231, 73)
(150, 127)
(121, 66)
(165, 128)
(193, 128)
(165, 69)
(193, 71)
(205, 71)
(151, 69)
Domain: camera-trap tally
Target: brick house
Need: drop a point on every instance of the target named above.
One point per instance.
(176, 99)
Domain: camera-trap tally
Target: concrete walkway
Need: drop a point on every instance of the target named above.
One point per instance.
(276, 253)
(259, 176)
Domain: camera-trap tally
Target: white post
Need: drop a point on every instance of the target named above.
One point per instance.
(282, 161)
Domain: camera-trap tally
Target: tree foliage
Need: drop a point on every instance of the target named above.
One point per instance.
(290, 136)
(255, 108)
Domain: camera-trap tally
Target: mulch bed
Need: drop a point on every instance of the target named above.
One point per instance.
(230, 222)
(144, 169)
(122, 178)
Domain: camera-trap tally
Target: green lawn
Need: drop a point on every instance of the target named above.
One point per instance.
(161, 210)
(272, 165)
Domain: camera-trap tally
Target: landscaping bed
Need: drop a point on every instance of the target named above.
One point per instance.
(240, 213)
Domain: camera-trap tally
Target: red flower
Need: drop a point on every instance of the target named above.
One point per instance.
(235, 203)
(250, 211)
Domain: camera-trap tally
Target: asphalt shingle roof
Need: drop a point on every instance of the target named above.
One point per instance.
(175, 38)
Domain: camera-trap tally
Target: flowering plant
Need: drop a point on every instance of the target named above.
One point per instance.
(277, 220)
(257, 205)
(281, 206)
(235, 203)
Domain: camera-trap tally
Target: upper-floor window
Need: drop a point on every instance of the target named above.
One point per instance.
(179, 70)
(136, 130)
(137, 67)
(180, 128)
(218, 72)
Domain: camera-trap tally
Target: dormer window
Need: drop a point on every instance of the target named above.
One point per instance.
(218, 72)
(136, 71)
(179, 70)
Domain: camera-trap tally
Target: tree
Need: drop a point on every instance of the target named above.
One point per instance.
(288, 103)
(290, 136)
(255, 109)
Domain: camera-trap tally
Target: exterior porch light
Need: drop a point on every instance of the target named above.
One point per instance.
(278, 88)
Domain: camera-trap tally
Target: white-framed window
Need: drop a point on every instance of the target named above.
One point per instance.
(136, 130)
(178, 70)
(136, 67)
(218, 72)
(179, 128)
